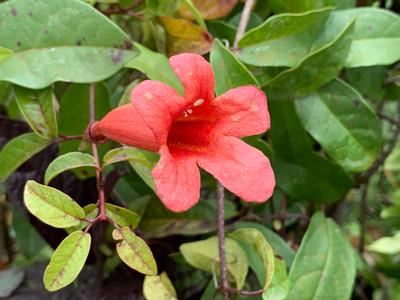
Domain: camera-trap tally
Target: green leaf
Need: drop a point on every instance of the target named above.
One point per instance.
(256, 239)
(37, 107)
(299, 171)
(159, 222)
(279, 245)
(67, 261)
(229, 71)
(282, 40)
(315, 70)
(324, 266)
(392, 162)
(340, 120)
(122, 216)
(52, 43)
(203, 255)
(144, 164)
(67, 162)
(376, 38)
(52, 206)
(279, 6)
(280, 284)
(155, 66)
(159, 287)
(134, 251)
(161, 7)
(386, 245)
(369, 81)
(19, 150)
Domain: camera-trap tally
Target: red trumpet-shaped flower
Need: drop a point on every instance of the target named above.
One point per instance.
(198, 129)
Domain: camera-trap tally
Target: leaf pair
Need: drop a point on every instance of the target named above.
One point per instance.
(58, 210)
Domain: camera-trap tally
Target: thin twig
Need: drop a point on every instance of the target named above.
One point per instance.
(246, 293)
(363, 211)
(244, 20)
(65, 138)
(221, 241)
(384, 154)
(99, 175)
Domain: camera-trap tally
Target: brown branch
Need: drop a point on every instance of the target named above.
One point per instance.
(221, 241)
(101, 203)
(244, 20)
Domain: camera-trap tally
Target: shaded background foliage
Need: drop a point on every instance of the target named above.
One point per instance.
(331, 73)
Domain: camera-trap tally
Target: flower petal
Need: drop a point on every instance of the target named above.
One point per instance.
(196, 76)
(177, 180)
(242, 169)
(124, 125)
(243, 111)
(158, 106)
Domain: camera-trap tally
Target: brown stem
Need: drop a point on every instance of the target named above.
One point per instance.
(244, 20)
(99, 175)
(221, 241)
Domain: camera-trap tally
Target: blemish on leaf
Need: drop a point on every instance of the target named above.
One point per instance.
(128, 45)
(116, 56)
(18, 43)
(356, 103)
(78, 42)
(46, 31)
(30, 14)
(14, 12)
(317, 147)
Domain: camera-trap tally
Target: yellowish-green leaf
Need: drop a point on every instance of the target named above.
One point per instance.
(19, 150)
(37, 107)
(184, 36)
(68, 161)
(5, 53)
(280, 283)
(122, 216)
(386, 245)
(203, 255)
(159, 287)
(52, 206)
(123, 154)
(67, 261)
(134, 251)
(144, 164)
(257, 241)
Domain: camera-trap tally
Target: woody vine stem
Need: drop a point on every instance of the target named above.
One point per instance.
(101, 203)
(224, 286)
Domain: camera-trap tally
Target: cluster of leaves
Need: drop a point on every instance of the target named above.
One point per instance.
(329, 71)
